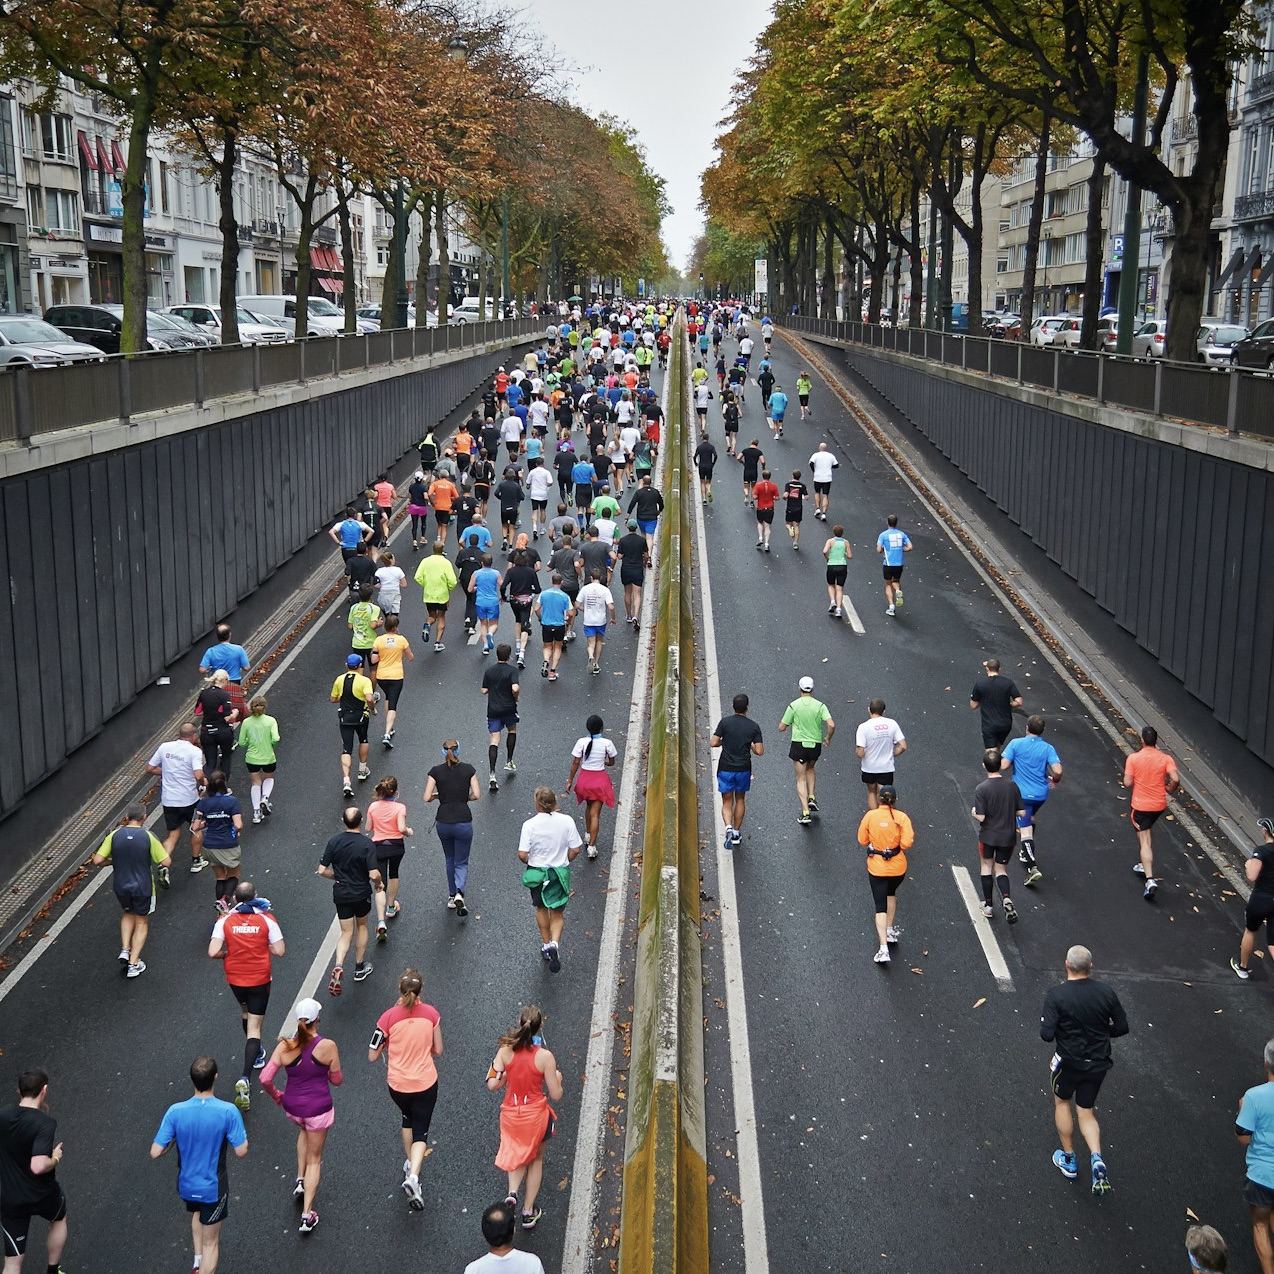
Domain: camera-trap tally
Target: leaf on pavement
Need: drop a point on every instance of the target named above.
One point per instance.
(1190, 1216)
(917, 970)
(980, 1003)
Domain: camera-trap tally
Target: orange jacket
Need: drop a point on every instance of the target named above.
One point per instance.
(885, 830)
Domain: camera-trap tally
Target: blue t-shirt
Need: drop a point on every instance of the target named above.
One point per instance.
(894, 542)
(521, 412)
(1031, 756)
(351, 532)
(583, 474)
(226, 655)
(534, 448)
(1256, 1116)
(202, 1128)
(514, 393)
(486, 587)
(478, 536)
(778, 405)
(218, 813)
(553, 607)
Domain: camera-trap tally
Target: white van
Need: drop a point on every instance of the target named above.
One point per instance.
(322, 318)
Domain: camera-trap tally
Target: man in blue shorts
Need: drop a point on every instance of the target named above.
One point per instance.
(892, 543)
(485, 587)
(778, 409)
(134, 853)
(1037, 769)
(597, 609)
(646, 506)
(202, 1126)
(739, 738)
(501, 688)
(553, 608)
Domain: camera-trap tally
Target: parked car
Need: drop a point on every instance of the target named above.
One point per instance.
(26, 341)
(177, 331)
(1148, 339)
(1257, 348)
(999, 324)
(253, 330)
(1068, 334)
(467, 311)
(322, 317)
(100, 326)
(1215, 341)
(1107, 333)
(1044, 330)
(373, 313)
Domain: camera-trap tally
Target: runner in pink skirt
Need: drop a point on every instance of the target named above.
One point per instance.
(591, 757)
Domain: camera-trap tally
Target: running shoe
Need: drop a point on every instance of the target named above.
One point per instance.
(804, 819)
(243, 1093)
(510, 767)
(812, 804)
(596, 669)
(137, 968)
(197, 865)
(760, 544)
(709, 497)
(531, 1219)
(1010, 911)
(347, 788)
(987, 910)
(1151, 888)
(767, 548)
(267, 806)
(451, 902)
(411, 1188)
(260, 1062)
(592, 851)
(165, 879)
(897, 596)
(590, 666)
(334, 982)
(521, 660)
(831, 610)
(362, 971)
(544, 951)
(439, 647)
(555, 962)
(382, 933)
(1138, 869)
(511, 1201)
(308, 1221)
(1234, 964)
(298, 1190)
(1033, 876)
(544, 669)
(257, 816)
(1066, 1164)
(223, 906)
(892, 935)
(364, 773)
(392, 910)
(889, 610)
(126, 958)
(882, 956)
(387, 741)
(1101, 1179)
(839, 613)
(424, 633)
(492, 782)
(461, 909)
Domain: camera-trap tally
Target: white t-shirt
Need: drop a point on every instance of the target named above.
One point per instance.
(745, 345)
(624, 410)
(630, 437)
(391, 580)
(702, 396)
(178, 761)
(596, 760)
(540, 482)
(823, 462)
(877, 736)
(539, 412)
(514, 1262)
(606, 528)
(546, 838)
(511, 430)
(594, 602)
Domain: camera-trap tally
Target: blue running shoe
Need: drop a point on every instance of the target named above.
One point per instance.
(1101, 1179)
(1066, 1165)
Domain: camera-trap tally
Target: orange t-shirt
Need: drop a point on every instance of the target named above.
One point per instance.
(410, 1049)
(464, 442)
(385, 494)
(382, 820)
(442, 494)
(1148, 770)
(766, 493)
(501, 383)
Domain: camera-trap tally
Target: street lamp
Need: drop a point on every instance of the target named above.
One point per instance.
(280, 211)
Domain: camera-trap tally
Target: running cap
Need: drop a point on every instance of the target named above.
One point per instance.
(632, 526)
(887, 794)
(1266, 825)
(806, 683)
(353, 661)
(308, 1011)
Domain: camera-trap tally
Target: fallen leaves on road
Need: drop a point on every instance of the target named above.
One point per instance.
(980, 1003)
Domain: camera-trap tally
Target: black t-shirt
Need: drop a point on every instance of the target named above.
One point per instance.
(999, 800)
(737, 734)
(352, 856)
(452, 782)
(751, 462)
(509, 494)
(1080, 1018)
(519, 581)
(418, 494)
(993, 695)
(564, 462)
(468, 560)
(361, 570)
(490, 438)
(498, 681)
(1264, 883)
(215, 706)
(766, 382)
(705, 457)
(463, 512)
(731, 416)
(631, 549)
(646, 505)
(25, 1133)
(795, 493)
(601, 466)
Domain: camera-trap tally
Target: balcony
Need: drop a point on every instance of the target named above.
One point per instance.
(1262, 86)
(95, 204)
(1254, 207)
(1184, 128)
(325, 234)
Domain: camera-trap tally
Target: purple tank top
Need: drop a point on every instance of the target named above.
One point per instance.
(307, 1093)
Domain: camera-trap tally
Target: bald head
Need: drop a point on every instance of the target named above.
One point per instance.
(1079, 962)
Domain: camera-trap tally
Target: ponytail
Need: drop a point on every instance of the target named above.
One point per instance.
(451, 750)
(529, 1022)
(409, 986)
(594, 725)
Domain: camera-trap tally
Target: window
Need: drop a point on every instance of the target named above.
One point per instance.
(1001, 265)
(63, 208)
(56, 137)
(30, 134)
(150, 185)
(35, 207)
(163, 186)
(8, 153)
(1253, 153)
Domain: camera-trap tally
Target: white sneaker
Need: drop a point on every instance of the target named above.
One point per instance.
(415, 1199)
(592, 851)
(889, 610)
(892, 933)
(882, 956)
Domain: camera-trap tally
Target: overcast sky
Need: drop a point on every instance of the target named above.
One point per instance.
(665, 66)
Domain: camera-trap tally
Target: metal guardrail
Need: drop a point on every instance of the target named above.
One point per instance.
(663, 1225)
(35, 402)
(1224, 397)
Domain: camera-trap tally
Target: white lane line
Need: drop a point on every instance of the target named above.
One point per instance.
(313, 976)
(752, 1210)
(852, 615)
(577, 1248)
(982, 927)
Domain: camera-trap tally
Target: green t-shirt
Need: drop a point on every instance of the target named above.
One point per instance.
(806, 716)
(803, 386)
(257, 737)
(837, 551)
(363, 617)
(605, 506)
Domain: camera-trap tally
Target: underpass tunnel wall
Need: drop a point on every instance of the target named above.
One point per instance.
(1177, 545)
(118, 564)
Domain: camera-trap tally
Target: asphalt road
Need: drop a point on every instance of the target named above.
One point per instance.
(118, 1051)
(904, 1117)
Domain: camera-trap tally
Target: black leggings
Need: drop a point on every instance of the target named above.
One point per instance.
(417, 1109)
(218, 749)
(419, 526)
(883, 889)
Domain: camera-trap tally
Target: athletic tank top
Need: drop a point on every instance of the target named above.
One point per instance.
(836, 552)
(307, 1093)
(523, 1083)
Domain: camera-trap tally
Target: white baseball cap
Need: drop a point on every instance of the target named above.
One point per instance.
(308, 1011)
(806, 683)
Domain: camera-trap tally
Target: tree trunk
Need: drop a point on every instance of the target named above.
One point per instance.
(946, 264)
(973, 246)
(229, 226)
(347, 258)
(1095, 252)
(133, 230)
(444, 258)
(424, 250)
(1033, 230)
(829, 278)
(915, 314)
(306, 206)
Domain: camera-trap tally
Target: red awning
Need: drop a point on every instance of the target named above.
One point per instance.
(333, 260)
(103, 158)
(118, 156)
(329, 285)
(87, 151)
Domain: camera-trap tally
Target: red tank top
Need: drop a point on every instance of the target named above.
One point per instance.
(523, 1083)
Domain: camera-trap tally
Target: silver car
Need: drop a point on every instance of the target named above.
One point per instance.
(253, 330)
(1148, 340)
(26, 341)
(1215, 341)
